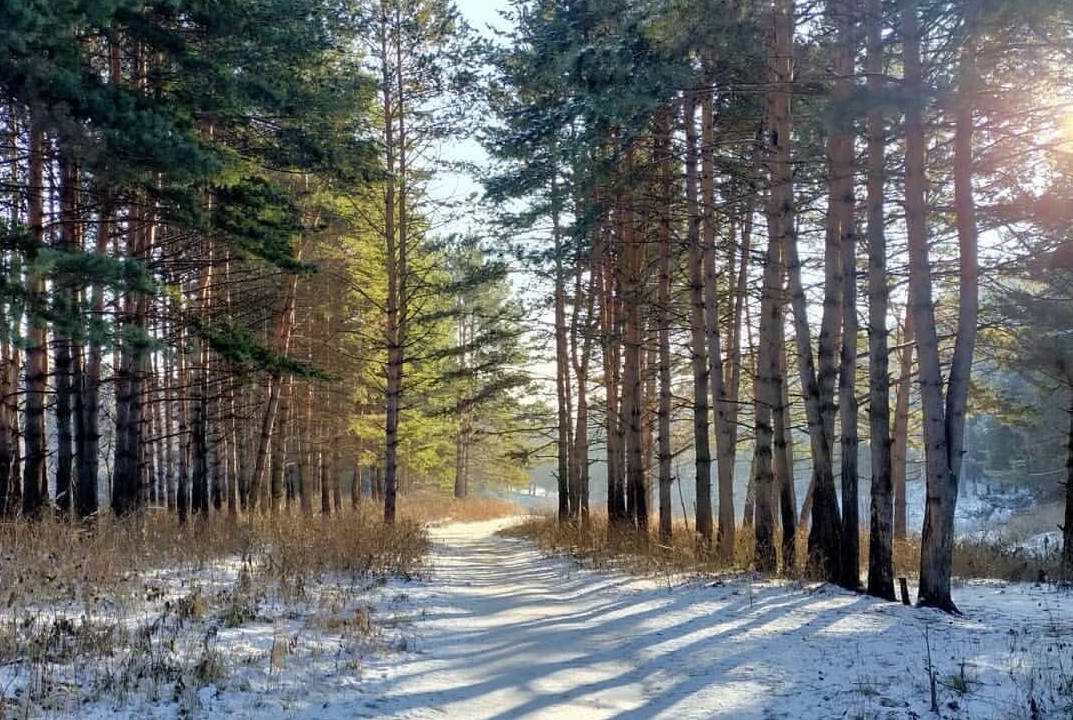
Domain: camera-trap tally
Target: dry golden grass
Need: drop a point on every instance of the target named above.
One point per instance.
(52, 560)
(597, 546)
(428, 506)
(635, 552)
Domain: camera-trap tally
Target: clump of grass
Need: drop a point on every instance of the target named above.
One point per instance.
(358, 546)
(998, 559)
(597, 545)
(134, 605)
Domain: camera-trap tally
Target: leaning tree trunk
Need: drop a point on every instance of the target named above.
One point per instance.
(825, 532)
(944, 422)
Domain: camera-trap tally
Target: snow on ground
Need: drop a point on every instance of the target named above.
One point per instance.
(497, 631)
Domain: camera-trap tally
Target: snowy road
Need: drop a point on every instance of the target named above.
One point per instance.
(502, 632)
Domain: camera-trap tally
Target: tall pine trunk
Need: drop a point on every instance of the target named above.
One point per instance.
(663, 324)
(824, 541)
(881, 504)
(34, 482)
(724, 429)
(562, 364)
(842, 215)
(65, 302)
(944, 418)
(699, 343)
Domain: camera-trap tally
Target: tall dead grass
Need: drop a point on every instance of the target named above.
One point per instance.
(53, 560)
(597, 547)
(428, 506)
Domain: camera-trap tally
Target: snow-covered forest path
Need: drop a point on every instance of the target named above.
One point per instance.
(502, 632)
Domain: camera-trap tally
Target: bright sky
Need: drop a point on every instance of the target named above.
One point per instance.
(481, 13)
(450, 186)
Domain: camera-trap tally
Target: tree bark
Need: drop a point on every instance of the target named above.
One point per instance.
(881, 504)
(562, 364)
(724, 429)
(844, 233)
(784, 451)
(698, 328)
(900, 431)
(663, 325)
(944, 423)
(65, 300)
(34, 482)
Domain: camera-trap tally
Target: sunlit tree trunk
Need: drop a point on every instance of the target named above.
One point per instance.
(944, 418)
(824, 552)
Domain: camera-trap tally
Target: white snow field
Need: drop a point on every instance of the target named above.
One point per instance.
(499, 631)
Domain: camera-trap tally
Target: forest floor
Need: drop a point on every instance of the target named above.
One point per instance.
(497, 630)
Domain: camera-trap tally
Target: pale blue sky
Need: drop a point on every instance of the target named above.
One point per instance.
(481, 13)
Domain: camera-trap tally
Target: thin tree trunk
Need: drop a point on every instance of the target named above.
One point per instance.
(784, 453)
(611, 313)
(324, 471)
(8, 413)
(633, 269)
(663, 325)
(562, 364)
(697, 324)
(581, 353)
(900, 432)
(336, 477)
(724, 433)
(279, 447)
